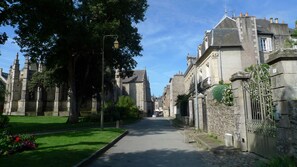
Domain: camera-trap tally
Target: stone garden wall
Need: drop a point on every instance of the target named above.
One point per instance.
(220, 118)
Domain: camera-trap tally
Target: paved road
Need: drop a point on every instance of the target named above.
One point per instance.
(151, 142)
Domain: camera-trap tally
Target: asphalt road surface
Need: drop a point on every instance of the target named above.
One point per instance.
(151, 142)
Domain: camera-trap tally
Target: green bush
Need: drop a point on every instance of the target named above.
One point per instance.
(228, 96)
(218, 91)
(4, 120)
(125, 108)
(281, 161)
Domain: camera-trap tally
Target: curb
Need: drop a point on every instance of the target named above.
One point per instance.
(98, 153)
(204, 143)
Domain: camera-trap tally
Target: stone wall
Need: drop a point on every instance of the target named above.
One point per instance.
(284, 93)
(220, 118)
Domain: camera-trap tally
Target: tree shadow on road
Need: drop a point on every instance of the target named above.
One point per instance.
(151, 158)
(151, 126)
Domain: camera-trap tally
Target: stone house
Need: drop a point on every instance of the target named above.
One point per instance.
(166, 101)
(138, 88)
(176, 88)
(234, 44)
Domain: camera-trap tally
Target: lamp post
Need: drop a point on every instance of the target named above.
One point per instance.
(116, 46)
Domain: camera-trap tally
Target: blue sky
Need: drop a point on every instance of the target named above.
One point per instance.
(174, 28)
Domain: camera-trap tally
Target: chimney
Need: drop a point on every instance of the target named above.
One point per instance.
(240, 15)
(1, 71)
(271, 20)
(246, 14)
(276, 20)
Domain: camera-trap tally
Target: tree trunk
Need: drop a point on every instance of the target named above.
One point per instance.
(74, 112)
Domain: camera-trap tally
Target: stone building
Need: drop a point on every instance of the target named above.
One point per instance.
(166, 101)
(234, 44)
(3, 79)
(19, 100)
(158, 106)
(176, 88)
(138, 88)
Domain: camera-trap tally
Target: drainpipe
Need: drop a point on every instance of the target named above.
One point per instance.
(221, 68)
(196, 101)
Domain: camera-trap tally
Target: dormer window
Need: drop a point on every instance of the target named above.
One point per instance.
(265, 44)
(206, 43)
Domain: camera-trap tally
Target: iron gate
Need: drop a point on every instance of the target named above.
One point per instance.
(260, 123)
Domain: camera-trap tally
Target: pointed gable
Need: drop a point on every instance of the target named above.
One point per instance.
(138, 76)
(226, 22)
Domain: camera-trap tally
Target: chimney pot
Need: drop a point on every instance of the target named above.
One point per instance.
(276, 20)
(271, 20)
(240, 14)
(246, 14)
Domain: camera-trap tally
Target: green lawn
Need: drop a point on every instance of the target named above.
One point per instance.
(62, 149)
(27, 124)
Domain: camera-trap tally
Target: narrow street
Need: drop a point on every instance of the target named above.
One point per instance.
(151, 142)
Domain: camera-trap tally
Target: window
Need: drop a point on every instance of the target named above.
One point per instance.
(265, 44)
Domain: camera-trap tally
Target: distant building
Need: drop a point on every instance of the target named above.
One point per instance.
(166, 101)
(138, 88)
(158, 105)
(176, 88)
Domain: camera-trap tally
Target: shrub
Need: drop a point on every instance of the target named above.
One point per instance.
(218, 91)
(4, 120)
(11, 144)
(125, 108)
(281, 161)
(228, 96)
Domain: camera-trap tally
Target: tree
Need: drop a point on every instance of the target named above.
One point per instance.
(2, 92)
(182, 103)
(126, 108)
(66, 36)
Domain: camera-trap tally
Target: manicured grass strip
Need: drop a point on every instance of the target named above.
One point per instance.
(27, 124)
(63, 149)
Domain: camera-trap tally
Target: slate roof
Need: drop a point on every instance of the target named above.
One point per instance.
(226, 22)
(138, 76)
(225, 37)
(4, 75)
(263, 26)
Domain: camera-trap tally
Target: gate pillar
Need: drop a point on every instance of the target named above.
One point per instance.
(240, 109)
(200, 108)
(283, 76)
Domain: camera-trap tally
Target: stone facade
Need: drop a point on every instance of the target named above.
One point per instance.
(20, 101)
(283, 73)
(166, 101)
(176, 88)
(138, 88)
(55, 101)
(234, 44)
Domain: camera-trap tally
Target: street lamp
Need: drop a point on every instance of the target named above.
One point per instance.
(116, 46)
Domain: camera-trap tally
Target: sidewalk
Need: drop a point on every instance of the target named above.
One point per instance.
(217, 154)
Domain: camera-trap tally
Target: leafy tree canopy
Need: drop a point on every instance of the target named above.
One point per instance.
(66, 36)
